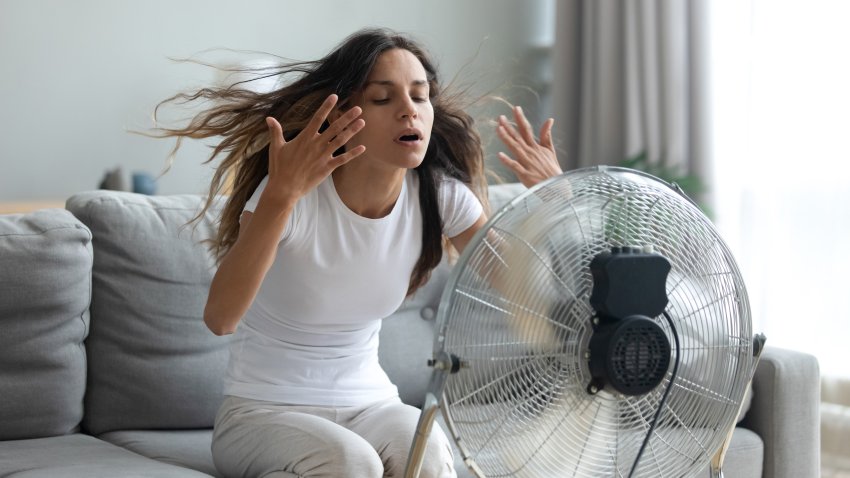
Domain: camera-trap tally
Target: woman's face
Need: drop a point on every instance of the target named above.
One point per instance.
(397, 111)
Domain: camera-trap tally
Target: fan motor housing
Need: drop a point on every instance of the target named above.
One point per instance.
(628, 281)
(628, 350)
(631, 355)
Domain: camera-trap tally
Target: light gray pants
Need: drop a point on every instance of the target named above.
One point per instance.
(264, 439)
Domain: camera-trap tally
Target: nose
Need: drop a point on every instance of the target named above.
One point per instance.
(408, 110)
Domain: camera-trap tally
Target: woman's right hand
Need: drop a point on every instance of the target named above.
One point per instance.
(300, 164)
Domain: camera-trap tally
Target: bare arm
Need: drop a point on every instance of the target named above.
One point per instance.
(295, 167)
(243, 269)
(461, 240)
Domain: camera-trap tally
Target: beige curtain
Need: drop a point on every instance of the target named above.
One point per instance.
(630, 77)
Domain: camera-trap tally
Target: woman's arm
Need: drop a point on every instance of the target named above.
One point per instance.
(533, 161)
(295, 167)
(243, 269)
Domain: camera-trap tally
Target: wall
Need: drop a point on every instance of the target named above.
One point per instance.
(78, 75)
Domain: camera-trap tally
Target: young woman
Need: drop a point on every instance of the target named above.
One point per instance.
(345, 183)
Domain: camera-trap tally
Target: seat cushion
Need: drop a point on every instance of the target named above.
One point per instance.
(153, 364)
(45, 289)
(745, 456)
(185, 448)
(80, 456)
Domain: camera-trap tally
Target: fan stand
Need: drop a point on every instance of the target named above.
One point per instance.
(716, 465)
(443, 365)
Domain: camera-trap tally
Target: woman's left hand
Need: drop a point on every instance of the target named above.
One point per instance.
(533, 161)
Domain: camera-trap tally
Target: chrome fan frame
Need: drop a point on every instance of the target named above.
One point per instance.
(543, 414)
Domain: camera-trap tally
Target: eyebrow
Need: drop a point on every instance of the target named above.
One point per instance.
(392, 83)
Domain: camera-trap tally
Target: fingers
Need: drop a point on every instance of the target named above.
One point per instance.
(345, 135)
(321, 114)
(275, 132)
(342, 123)
(546, 134)
(510, 163)
(514, 142)
(523, 125)
(347, 156)
(508, 134)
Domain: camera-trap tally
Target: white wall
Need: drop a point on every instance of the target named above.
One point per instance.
(76, 75)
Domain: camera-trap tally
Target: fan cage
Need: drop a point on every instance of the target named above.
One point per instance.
(516, 310)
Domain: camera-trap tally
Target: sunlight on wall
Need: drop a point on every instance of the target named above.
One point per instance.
(782, 180)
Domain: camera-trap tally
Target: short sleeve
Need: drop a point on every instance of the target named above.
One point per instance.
(459, 208)
(252, 202)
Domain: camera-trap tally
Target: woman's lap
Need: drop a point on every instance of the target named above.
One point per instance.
(253, 439)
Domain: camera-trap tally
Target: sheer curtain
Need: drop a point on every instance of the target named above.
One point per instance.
(782, 165)
(781, 89)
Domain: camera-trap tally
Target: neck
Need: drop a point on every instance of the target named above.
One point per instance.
(367, 190)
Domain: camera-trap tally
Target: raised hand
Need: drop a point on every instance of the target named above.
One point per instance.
(300, 164)
(532, 161)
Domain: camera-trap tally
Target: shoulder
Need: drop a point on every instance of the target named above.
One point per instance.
(451, 191)
(459, 207)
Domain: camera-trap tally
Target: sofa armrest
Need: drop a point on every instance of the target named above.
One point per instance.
(785, 413)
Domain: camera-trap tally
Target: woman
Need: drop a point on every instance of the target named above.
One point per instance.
(346, 181)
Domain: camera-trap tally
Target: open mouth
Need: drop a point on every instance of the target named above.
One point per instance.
(409, 138)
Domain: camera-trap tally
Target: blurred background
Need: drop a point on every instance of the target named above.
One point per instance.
(742, 102)
(77, 76)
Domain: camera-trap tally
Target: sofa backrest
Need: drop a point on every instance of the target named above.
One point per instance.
(45, 288)
(152, 362)
(132, 263)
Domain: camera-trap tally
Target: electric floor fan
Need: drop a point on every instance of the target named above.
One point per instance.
(596, 326)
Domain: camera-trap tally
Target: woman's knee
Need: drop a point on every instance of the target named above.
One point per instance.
(355, 459)
(438, 461)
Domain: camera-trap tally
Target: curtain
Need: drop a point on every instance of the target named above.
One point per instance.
(781, 82)
(630, 77)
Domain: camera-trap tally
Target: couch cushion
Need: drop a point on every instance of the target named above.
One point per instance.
(45, 289)
(152, 362)
(745, 456)
(186, 448)
(80, 456)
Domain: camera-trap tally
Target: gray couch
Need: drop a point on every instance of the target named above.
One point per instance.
(107, 370)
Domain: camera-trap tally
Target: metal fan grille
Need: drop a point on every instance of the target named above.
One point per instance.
(517, 312)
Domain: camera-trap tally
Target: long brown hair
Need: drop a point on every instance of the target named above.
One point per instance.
(239, 114)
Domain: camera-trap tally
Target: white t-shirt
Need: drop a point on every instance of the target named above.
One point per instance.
(311, 335)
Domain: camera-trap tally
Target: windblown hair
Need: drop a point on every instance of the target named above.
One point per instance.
(238, 117)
